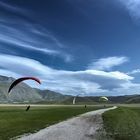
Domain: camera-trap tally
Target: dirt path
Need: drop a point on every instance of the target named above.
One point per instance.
(83, 127)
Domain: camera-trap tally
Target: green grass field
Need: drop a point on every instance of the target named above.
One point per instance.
(123, 123)
(14, 120)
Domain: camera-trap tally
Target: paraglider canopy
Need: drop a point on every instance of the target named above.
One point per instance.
(103, 99)
(17, 81)
(74, 99)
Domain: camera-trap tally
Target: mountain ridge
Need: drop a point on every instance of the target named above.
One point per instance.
(23, 93)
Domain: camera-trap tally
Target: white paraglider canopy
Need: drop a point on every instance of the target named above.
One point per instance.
(103, 99)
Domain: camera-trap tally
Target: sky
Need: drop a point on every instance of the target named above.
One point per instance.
(88, 47)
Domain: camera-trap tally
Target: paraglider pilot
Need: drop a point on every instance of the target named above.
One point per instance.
(28, 107)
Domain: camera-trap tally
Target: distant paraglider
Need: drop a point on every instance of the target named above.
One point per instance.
(17, 81)
(103, 99)
(74, 99)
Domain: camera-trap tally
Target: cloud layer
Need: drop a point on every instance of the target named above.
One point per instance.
(39, 41)
(20, 32)
(87, 82)
(133, 6)
(107, 63)
(136, 71)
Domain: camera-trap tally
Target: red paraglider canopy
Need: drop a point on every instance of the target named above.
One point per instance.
(22, 79)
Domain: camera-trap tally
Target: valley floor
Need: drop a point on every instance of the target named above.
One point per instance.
(84, 127)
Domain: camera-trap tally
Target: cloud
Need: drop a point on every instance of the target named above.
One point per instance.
(20, 33)
(27, 45)
(12, 8)
(86, 82)
(34, 38)
(25, 22)
(134, 71)
(107, 63)
(127, 89)
(133, 6)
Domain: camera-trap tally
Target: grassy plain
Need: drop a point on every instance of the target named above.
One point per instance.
(14, 120)
(123, 123)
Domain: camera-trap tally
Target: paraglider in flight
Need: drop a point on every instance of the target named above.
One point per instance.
(73, 102)
(17, 81)
(74, 99)
(103, 99)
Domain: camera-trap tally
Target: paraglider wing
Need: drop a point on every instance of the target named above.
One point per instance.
(22, 79)
(103, 98)
(74, 99)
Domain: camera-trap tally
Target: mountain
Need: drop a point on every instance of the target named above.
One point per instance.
(23, 93)
(52, 97)
(81, 100)
(135, 99)
(112, 99)
(125, 99)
